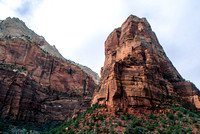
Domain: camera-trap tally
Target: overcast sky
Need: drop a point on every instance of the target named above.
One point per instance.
(79, 28)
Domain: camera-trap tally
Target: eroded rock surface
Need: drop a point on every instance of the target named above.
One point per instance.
(15, 28)
(36, 85)
(137, 72)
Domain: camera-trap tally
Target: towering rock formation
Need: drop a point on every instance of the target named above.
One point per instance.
(137, 72)
(36, 83)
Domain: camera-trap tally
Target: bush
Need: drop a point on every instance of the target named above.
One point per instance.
(159, 131)
(179, 114)
(135, 122)
(170, 116)
(116, 112)
(194, 120)
(168, 132)
(97, 129)
(119, 123)
(189, 129)
(76, 124)
(127, 116)
(137, 130)
(88, 130)
(87, 122)
(185, 119)
(121, 117)
(184, 111)
(152, 127)
(111, 129)
(100, 117)
(94, 118)
(197, 125)
(105, 130)
(152, 116)
(129, 130)
(110, 121)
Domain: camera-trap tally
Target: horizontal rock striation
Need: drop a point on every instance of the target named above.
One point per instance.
(137, 72)
(15, 28)
(36, 85)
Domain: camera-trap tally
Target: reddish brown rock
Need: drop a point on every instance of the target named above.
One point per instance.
(137, 72)
(37, 84)
(50, 89)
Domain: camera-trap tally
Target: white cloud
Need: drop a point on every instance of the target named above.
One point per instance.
(6, 10)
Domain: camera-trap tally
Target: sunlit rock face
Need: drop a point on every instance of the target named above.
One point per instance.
(137, 72)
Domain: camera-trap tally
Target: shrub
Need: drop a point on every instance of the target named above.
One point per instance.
(100, 117)
(197, 125)
(105, 130)
(110, 121)
(185, 119)
(177, 128)
(127, 116)
(169, 97)
(93, 118)
(192, 114)
(129, 130)
(136, 122)
(179, 114)
(111, 129)
(152, 116)
(116, 112)
(119, 123)
(121, 117)
(97, 129)
(189, 129)
(184, 111)
(97, 124)
(87, 122)
(95, 106)
(88, 130)
(168, 132)
(152, 127)
(170, 116)
(159, 131)
(76, 124)
(194, 120)
(138, 130)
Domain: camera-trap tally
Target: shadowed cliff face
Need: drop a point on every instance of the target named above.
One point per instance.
(36, 83)
(137, 72)
(38, 87)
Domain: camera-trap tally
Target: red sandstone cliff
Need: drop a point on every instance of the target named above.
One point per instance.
(37, 85)
(137, 72)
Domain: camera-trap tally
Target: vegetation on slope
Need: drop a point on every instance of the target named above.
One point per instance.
(97, 119)
(15, 68)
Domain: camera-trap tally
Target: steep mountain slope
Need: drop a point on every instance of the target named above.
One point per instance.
(15, 28)
(169, 119)
(138, 74)
(36, 83)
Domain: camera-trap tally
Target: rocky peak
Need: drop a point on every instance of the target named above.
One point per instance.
(137, 72)
(16, 28)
